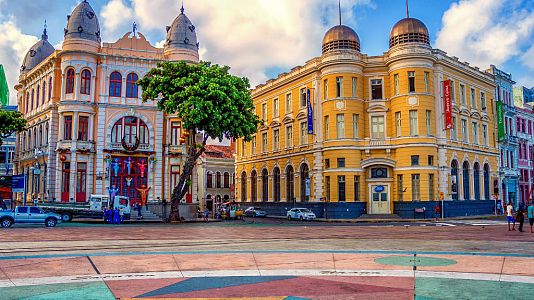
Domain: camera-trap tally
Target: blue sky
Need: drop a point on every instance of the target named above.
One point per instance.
(260, 38)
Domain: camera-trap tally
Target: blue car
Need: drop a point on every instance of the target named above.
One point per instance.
(29, 215)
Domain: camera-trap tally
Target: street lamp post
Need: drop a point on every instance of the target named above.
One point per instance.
(40, 153)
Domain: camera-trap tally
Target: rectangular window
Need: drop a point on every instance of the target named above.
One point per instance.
(427, 79)
(327, 187)
(415, 160)
(429, 123)
(340, 126)
(356, 188)
(398, 124)
(175, 175)
(341, 188)
(376, 88)
(276, 139)
(264, 112)
(83, 128)
(67, 127)
(289, 136)
(65, 179)
(175, 133)
(483, 101)
(430, 160)
(484, 134)
(244, 148)
(303, 102)
(396, 83)
(411, 82)
(453, 96)
(413, 123)
(464, 131)
(289, 103)
(377, 127)
(400, 188)
(475, 133)
(340, 162)
(355, 120)
(473, 98)
(327, 163)
(276, 108)
(416, 187)
(304, 133)
(454, 132)
(253, 145)
(326, 131)
(462, 94)
(264, 142)
(430, 187)
(354, 87)
(81, 177)
(339, 87)
(325, 89)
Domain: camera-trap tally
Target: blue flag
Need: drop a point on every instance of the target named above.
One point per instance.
(310, 113)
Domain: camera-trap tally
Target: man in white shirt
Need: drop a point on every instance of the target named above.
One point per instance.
(510, 216)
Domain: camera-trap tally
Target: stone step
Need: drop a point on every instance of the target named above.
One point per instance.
(380, 217)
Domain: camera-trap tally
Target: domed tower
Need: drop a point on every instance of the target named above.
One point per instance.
(37, 53)
(409, 30)
(341, 37)
(83, 30)
(181, 42)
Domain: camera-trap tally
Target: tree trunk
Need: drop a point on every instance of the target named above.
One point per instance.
(180, 190)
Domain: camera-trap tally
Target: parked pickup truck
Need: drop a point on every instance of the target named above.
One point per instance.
(94, 208)
(28, 214)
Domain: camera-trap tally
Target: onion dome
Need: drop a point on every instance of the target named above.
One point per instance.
(341, 37)
(181, 34)
(409, 30)
(83, 24)
(37, 53)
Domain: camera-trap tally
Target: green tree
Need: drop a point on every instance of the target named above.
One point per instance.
(10, 122)
(210, 102)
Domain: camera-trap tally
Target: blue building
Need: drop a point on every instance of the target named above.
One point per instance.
(509, 145)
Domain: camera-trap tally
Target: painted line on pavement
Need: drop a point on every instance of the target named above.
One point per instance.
(254, 272)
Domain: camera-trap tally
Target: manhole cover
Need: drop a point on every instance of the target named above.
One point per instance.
(422, 261)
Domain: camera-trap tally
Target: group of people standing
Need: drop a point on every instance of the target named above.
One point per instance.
(519, 216)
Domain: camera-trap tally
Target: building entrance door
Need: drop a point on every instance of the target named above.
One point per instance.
(129, 174)
(379, 199)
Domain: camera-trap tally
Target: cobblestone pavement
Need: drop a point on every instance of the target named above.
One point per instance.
(266, 261)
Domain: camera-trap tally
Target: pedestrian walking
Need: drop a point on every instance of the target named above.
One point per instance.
(510, 216)
(206, 214)
(437, 211)
(530, 215)
(520, 216)
(499, 207)
(139, 214)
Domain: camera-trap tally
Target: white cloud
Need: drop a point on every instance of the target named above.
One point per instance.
(252, 36)
(527, 59)
(13, 47)
(116, 19)
(526, 81)
(485, 32)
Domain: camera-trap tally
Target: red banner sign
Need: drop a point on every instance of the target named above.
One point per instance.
(447, 101)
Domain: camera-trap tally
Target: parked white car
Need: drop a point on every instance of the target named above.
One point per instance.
(300, 214)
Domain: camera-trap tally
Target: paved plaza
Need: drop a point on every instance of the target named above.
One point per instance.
(267, 260)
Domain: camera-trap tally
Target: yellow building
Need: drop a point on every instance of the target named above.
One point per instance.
(379, 143)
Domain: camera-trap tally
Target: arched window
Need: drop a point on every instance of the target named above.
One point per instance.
(44, 92)
(276, 184)
(115, 84)
(219, 179)
(254, 186)
(40, 135)
(465, 181)
(486, 182)
(476, 180)
(34, 143)
(85, 82)
(33, 96)
(24, 142)
(209, 180)
(226, 180)
(130, 128)
(69, 85)
(38, 96)
(290, 183)
(454, 180)
(265, 185)
(304, 181)
(27, 101)
(244, 187)
(131, 86)
(49, 88)
(46, 134)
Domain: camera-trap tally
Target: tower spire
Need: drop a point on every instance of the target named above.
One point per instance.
(182, 9)
(45, 35)
(407, 10)
(339, 6)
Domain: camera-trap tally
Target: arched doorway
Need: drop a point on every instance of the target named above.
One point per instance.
(244, 186)
(276, 184)
(290, 184)
(304, 183)
(476, 180)
(454, 180)
(209, 203)
(465, 180)
(254, 186)
(486, 182)
(264, 185)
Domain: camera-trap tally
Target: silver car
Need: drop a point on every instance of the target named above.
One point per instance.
(300, 214)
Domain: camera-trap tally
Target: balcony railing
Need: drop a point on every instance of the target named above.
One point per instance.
(118, 146)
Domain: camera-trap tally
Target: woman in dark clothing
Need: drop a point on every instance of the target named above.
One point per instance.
(520, 216)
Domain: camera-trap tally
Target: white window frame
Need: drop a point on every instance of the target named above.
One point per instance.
(339, 87)
(355, 127)
(276, 107)
(303, 133)
(289, 103)
(382, 134)
(264, 142)
(414, 122)
(354, 87)
(371, 87)
(289, 136)
(398, 124)
(276, 139)
(340, 126)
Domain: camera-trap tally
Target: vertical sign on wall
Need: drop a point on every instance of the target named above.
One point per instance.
(310, 112)
(447, 102)
(500, 121)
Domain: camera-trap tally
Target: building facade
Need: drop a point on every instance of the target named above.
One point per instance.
(371, 135)
(216, 173)
(89, 131)
(7, 154)
(524, 101)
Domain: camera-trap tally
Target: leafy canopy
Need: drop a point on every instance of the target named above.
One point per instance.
(205, 96)
(10, 122)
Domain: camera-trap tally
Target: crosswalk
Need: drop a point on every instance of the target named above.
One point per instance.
(472, 223)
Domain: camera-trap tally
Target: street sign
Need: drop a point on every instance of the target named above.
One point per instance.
(18, 183)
